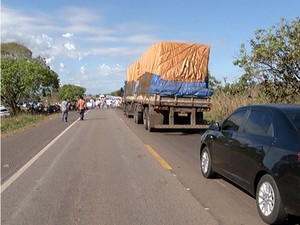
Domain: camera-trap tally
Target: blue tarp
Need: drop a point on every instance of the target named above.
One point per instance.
(173, 88)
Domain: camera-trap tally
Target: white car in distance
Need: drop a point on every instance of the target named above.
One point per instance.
(4, 111)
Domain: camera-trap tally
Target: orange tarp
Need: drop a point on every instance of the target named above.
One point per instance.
(133, 71)
(173, 61)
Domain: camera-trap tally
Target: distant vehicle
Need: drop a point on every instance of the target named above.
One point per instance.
(53, 108)
(258, 148)
(4, 111)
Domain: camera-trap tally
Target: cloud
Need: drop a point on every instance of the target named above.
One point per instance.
(68, 35)
(106, 70)
(26, 29)
(82, 70)
(80, 15)
(62, 69)
(49, 60)
(69, 46)
(142, 39)
(117, 46)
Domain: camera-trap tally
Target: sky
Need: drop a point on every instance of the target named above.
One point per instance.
(91, 43)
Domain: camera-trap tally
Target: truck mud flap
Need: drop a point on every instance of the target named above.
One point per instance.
(154, 119)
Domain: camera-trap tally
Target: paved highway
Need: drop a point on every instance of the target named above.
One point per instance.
(98, 172)
(108, 170)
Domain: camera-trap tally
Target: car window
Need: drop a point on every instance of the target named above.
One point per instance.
(295, 118)
(234, 121)
(259, 123)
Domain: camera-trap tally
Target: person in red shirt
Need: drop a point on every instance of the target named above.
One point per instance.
(81, 106)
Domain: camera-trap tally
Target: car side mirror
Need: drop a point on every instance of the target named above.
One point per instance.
(215, 126)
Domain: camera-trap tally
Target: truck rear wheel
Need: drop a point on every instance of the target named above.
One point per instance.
(146, 118)
(138, 117)
(153, 118)
(135, 118)
(126, 111)
(148, 125)
(199, 118)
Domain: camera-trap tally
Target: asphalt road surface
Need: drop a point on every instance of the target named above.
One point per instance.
(98, 172)
(108, 170)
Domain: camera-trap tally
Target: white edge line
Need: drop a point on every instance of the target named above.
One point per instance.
(30, 162)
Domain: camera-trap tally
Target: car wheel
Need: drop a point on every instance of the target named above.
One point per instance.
(206, 167)
(268, 201)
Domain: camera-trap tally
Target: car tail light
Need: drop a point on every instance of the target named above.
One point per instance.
(298, 157)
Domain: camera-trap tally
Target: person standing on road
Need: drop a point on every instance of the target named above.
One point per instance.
(64, 107)
(81, 107)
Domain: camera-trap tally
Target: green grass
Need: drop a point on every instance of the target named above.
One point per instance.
(21, 121)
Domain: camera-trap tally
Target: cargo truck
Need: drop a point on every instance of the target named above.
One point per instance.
(168, 87)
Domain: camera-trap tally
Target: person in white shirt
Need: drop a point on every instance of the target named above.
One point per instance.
(64, 107)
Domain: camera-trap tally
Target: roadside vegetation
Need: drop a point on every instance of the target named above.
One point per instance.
(13, 124)
(271, 64)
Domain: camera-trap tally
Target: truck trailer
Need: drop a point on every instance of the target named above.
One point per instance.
(168, 87)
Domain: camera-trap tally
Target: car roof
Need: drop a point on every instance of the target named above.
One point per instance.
(282, 107)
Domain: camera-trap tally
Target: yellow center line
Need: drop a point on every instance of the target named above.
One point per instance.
(160, 159)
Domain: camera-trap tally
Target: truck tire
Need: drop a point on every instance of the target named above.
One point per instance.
(126, 111)
(138, 117)
(135, 119)
(199, 118)
(148, 125)
(151, 119)
(146, 118)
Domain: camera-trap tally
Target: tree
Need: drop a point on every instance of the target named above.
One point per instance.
(13, 50)
(25, 77)
(70, 91)
(119, 92)
(213, 83)
(274, 61)
(242, 86)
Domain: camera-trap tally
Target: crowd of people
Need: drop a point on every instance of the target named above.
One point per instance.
(104, 102)
(83, 104)
(39, 107)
